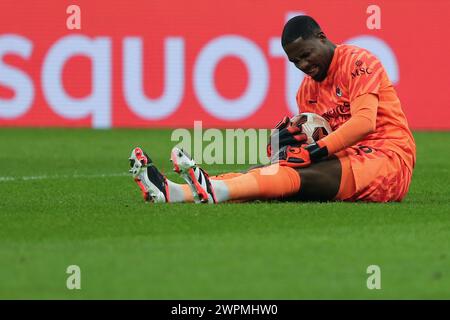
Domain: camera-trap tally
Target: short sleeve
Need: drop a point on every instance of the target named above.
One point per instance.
(365, 74)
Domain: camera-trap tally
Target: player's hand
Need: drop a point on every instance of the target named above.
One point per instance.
(287, 134)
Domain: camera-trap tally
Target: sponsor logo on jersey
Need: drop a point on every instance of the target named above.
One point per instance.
(360, 71)
(337, 115)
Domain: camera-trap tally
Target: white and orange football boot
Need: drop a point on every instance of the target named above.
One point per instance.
(195, 177)
(152, 183)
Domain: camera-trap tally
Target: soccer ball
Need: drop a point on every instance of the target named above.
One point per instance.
(314, 126)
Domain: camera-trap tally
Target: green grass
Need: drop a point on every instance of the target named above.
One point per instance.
(57, 210)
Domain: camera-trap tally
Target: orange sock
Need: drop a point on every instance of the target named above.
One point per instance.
(272, 182)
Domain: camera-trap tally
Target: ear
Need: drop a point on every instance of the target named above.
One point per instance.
(320, 35)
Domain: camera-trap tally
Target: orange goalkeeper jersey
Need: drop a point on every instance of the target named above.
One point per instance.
(353, 72)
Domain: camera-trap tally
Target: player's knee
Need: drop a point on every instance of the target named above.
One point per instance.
(276, 181)
(320, 181)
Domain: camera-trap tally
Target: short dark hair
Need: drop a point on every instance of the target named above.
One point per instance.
(299, 26)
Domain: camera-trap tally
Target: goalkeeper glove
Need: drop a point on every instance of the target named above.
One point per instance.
(286, 134)
(300, 157)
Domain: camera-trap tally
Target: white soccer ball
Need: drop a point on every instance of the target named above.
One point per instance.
(314, 126)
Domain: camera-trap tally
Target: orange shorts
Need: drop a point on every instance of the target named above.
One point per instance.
(372, 175)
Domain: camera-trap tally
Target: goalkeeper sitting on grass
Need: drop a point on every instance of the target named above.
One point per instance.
(369, 156)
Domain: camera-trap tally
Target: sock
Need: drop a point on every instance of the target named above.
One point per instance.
(272, 182)
(179, 192)
(182, 192)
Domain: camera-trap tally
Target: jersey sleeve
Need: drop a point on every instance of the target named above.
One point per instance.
(362, 122)
(364, 74)
(301, 97)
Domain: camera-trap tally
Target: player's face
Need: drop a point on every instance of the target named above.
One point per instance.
(312, 56)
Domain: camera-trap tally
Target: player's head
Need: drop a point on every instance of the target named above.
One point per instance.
(307, 46)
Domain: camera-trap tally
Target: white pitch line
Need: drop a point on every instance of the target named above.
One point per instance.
(79, 176)
(62, 176)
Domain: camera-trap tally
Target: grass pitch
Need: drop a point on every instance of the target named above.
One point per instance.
(65, 200)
